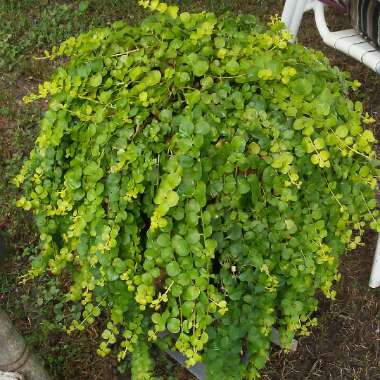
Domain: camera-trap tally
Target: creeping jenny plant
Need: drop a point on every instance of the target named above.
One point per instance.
(199, 175)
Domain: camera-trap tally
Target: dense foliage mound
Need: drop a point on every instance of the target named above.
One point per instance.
(198, 175)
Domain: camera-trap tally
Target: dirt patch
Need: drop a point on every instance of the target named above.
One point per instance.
(2, 123)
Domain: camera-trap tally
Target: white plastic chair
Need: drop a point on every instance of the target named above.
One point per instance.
(348, 41)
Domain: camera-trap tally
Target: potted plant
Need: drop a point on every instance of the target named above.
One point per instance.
(201, 175)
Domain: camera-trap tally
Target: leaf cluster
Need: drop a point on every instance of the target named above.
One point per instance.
(199, 175)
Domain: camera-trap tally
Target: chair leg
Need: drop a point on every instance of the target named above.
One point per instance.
(320, 21)
(374, 281)
(293, 13)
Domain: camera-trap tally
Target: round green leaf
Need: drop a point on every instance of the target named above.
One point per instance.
(191, 293)
(172, 199)
(173, 269)
(342, 131)
(96, 80)
(200, 68)
(187, 309)
(174, 325)
(232, 67)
